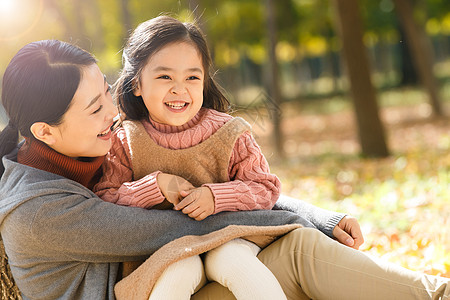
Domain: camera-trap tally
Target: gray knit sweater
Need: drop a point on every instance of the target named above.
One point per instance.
(63, 242)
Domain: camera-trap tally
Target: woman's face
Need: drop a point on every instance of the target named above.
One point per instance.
(171, 84)
(85, 128)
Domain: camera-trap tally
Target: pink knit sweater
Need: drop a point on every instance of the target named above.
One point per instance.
(251, 184)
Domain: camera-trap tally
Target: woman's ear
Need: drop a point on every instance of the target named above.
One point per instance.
(43, 132)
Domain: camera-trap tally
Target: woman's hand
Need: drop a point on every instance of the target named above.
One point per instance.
(348, 232)
(172, 185)
(198, 203)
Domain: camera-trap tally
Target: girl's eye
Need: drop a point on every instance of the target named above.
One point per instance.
(98, 109)
(163, 77)
(193, 78)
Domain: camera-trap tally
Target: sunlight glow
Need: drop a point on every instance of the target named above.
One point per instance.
(7, 6)
(18, 17)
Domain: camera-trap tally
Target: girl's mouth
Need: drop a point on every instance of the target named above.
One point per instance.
(176, 106)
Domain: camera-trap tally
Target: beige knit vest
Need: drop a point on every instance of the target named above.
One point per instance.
(206, 162)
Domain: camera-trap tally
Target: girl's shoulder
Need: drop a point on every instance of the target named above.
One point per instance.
(217, 115)
(119, 134)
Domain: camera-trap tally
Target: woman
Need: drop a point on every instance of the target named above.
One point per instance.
(65, 243)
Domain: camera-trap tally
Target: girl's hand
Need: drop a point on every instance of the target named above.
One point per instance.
(171, 187)
(348, 232)
(198, 203)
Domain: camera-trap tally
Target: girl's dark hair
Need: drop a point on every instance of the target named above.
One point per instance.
(148, 38)
(38, 86)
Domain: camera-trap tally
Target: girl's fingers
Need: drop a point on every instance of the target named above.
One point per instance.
(189, 209)
(184, 193)
(195, 214)
(184, 203)
(202, 216)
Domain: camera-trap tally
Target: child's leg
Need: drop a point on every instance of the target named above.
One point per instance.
(180, 280)
(235, 266)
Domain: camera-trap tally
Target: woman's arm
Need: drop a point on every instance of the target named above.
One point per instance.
(322, 219)
(74, 227)
(343, 228)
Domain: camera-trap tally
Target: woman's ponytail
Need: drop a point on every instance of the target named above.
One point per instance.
(9, 138)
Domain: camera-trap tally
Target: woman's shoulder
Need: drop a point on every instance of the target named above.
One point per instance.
(19, 174)
(21, 183)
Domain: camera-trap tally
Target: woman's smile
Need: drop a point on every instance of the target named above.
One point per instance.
(106, 134)
(86, 127)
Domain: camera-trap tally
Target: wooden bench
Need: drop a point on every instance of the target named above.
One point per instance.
(8, 288)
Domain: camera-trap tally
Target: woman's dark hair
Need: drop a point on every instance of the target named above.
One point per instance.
(148, 38)
(38, 86)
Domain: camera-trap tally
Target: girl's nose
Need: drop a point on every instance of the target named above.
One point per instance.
(178, 89)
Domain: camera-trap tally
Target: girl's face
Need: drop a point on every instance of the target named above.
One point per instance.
(171, 84)
(85, 128)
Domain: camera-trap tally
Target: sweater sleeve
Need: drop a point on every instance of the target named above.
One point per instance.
(87, 229)
(117, 185)
(322, 219)
(251, 184)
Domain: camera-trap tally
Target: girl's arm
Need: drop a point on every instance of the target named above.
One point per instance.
(251, 184)
(117, 185)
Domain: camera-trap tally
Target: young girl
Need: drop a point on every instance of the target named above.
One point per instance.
(176, 114)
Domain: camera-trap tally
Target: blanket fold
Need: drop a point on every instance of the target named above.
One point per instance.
(139, 284)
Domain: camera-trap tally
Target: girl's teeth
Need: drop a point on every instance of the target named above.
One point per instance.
(176, 106)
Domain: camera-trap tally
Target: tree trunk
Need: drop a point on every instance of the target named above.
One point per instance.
(99, 34)
(421, 52)
(274, 101)
(126, 19)
(80, 28)
(408, 71)
(68, 28)
(370, 129)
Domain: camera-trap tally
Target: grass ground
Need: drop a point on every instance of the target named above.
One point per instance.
(402, 202)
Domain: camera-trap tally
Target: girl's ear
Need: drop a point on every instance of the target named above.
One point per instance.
(137, 89)
(43, 132)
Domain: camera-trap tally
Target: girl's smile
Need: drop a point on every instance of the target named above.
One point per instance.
(171, 84)
(177, 106)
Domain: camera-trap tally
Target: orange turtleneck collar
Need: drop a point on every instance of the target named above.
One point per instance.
(38, 155)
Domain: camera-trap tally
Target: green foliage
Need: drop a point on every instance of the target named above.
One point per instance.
(235, 23)
(379, 16)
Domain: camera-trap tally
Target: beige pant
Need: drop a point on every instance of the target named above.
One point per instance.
(309, 265)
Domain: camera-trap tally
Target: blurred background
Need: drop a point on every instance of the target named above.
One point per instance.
(349, 99)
